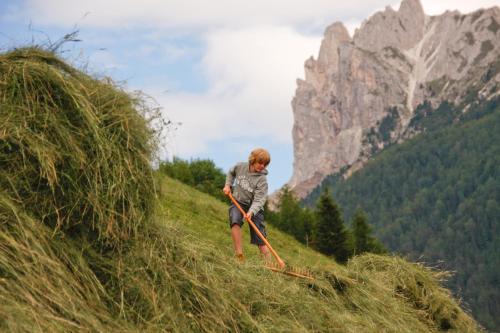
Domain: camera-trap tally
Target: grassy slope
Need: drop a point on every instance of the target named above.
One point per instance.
(372, 293)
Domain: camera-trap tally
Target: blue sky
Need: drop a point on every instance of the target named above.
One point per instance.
(224, 69)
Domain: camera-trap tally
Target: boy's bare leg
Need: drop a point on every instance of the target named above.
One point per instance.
(237, 241)
(265, 253)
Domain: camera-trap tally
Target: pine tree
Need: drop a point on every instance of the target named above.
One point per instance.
(361, 232)
(290, 217)
(363, 241)
(309, 226)
(332, 238)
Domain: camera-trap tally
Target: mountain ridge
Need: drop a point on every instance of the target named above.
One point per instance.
(396, 61)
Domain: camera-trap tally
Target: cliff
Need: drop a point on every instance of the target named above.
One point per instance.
(361, 93)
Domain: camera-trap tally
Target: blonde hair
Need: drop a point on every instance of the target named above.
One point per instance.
(259, 155)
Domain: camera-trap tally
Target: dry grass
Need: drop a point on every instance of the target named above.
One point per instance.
(87, 246)
(75, 151)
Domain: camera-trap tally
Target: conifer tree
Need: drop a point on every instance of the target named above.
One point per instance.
(332, 238)
(363, 241)
(309, 219)
(291, 216)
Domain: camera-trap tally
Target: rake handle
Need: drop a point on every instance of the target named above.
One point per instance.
(281, 263)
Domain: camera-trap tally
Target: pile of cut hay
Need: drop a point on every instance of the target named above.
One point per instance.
(74, 151)
(76, 187)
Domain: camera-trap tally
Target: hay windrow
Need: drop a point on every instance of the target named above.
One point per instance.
(75, 151)
(418, 286)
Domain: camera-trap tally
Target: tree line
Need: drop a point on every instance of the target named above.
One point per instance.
(323, 228)
(201, 174)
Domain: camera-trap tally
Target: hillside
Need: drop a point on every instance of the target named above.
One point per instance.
(436, 198)
(92, 240)
(370, 294)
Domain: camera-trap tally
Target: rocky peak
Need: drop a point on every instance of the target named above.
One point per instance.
(317, 72)
(401, 29)
(409, 8)
(361, 93)
(335, 35)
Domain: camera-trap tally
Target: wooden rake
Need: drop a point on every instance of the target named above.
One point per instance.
(280, 265)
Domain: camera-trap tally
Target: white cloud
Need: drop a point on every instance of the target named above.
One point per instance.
(200, 14)
(189, 14)
(252, 75)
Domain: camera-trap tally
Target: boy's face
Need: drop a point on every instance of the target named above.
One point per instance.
(259, 166)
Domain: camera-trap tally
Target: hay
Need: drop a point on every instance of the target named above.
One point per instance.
(45, 285)
(418, 286)
(74, 151)
(76, 186)
(81, 251)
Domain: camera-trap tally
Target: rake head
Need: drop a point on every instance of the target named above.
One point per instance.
(292, 271)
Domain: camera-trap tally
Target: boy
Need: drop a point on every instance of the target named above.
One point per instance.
(250, 190)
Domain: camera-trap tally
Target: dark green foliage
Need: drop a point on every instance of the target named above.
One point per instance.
(332, 238)
(428, 119)
(437, 197)
(388, 124)
(363, 241)
(202, 174)
(302, 223)
(292, 218)
(435, 87)
(381, 134)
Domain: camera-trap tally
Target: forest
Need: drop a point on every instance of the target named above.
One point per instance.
(436, 199)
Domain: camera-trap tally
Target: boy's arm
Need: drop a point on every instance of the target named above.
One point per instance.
(229, 180)
(260, 197)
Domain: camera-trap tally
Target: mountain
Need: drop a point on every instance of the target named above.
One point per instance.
(435, 198)
(361, 94)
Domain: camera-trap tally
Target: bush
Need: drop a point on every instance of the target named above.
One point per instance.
(199, 173)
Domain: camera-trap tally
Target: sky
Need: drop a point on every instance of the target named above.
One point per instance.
(222, 71)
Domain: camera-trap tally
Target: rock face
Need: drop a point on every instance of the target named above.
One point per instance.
(361, 92)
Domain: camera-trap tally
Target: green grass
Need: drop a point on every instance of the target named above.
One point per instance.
(373, 293)
(200, 216)
(90, 241)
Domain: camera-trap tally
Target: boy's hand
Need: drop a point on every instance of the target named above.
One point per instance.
(226, 190)
(249, 215)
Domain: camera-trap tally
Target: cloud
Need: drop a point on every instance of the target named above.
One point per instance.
(200, 15)
(251, 74)
(196, 14)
